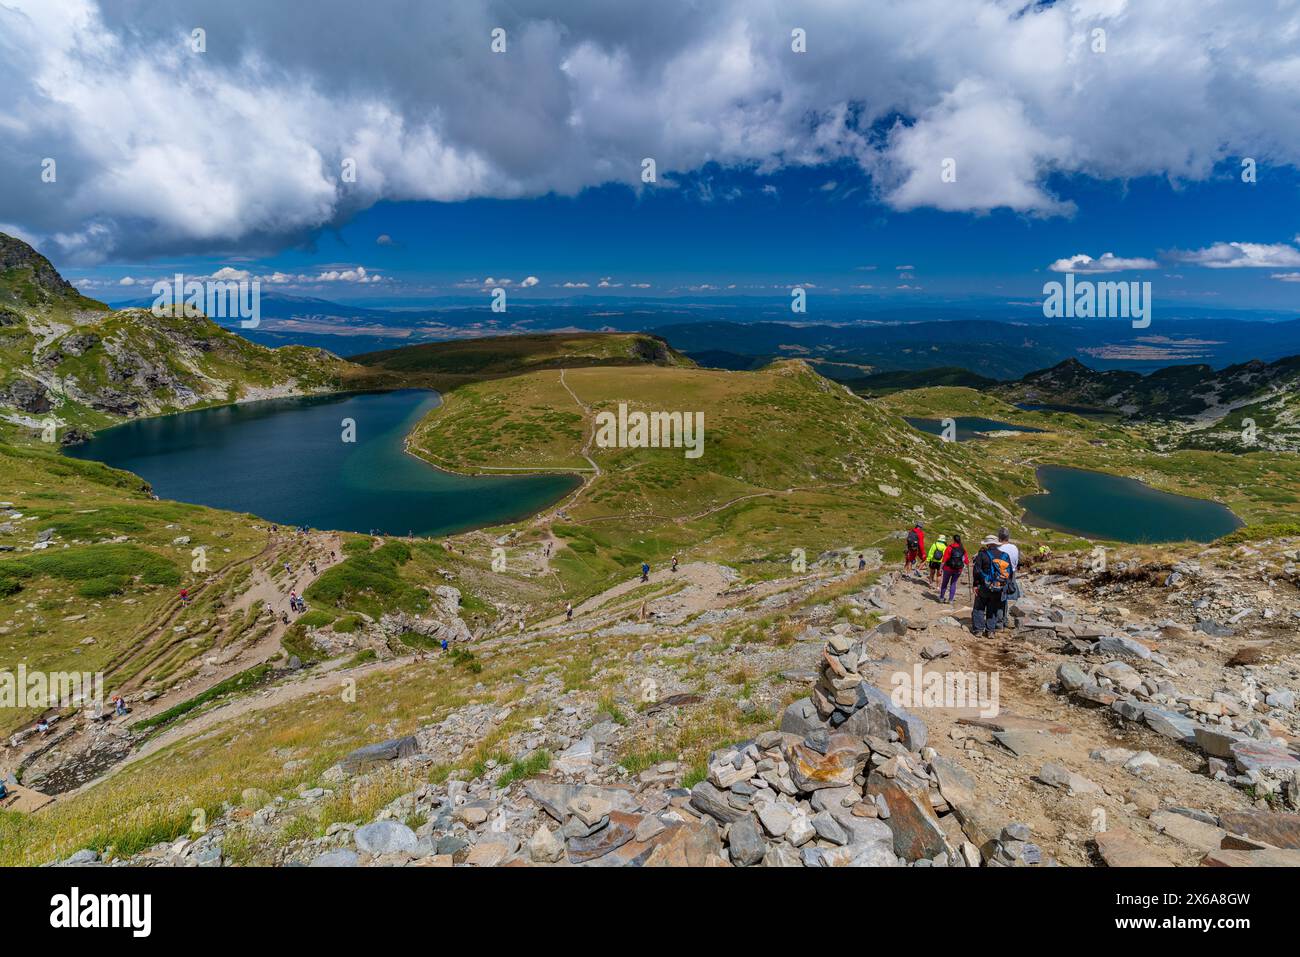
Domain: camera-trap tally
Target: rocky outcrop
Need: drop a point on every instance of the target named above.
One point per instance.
(27, 395)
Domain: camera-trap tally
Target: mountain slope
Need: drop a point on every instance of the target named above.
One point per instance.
(1204, 408)
(73, 359)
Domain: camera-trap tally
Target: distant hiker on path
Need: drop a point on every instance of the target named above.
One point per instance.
(862, 561)
(934, 558)
(674, 563)
(953, 562)
(185, 596)
(568, 611)
(915, 547)
(645, 571)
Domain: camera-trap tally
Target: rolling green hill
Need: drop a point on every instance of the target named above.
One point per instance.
(790, 460)
(446, 365)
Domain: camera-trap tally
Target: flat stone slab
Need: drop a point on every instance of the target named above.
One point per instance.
(1193, 833)
(1270, 857)
(1218, 742)
(1006, 721)
(1021, 743)
(554, 796)
(1121, 848)
(1267, 827)
(1171, 724)
(1261, 756)
(956, 786)
(381, 753)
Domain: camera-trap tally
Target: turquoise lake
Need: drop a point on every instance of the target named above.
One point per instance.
(1102, 506)
(285, 461)
(968, 426)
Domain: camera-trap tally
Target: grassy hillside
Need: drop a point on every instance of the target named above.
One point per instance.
(791, 460)
(446, 365)
(112, 570)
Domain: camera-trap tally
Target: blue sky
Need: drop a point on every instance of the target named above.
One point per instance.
(796, 143)
(721, 231)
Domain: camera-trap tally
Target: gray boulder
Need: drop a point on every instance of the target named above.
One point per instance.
(385, 837)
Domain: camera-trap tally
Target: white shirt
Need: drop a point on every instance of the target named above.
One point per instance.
(1013, 553)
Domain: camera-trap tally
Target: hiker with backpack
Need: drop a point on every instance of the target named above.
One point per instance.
(645, 571)
(915, 548)
(991, 574)
(1013, 588)
(953, 562)
(934, 557)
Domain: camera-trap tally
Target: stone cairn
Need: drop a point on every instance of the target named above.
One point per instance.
(849, 781)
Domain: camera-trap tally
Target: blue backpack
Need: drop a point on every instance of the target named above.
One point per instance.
(995, 576)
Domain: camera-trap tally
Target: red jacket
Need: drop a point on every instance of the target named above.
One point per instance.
(965, 555)
(920, 537)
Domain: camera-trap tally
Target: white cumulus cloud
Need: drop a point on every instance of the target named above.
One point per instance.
(1106, 262)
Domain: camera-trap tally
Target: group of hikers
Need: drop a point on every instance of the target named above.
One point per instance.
(992, 573)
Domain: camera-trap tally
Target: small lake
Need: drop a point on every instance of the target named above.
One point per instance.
(1102, 506)
(285, 460)
(968, 426)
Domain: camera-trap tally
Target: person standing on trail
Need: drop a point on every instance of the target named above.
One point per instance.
(185, 596)
(568, 611)
(862, 562)
(953, 562)
(645, 571)
(934, 557)
(991, 575)
(915, 547)
(1013, 588)
(674, 563)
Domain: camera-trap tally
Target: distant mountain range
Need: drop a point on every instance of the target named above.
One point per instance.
(843, 338)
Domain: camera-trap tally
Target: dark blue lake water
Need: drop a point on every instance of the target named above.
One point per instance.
(284, 460)
(1102, 506)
